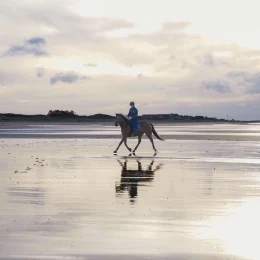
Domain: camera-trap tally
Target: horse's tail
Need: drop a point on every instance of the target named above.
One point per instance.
(156, 134)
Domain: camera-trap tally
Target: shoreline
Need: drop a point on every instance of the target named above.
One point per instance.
(24, 123)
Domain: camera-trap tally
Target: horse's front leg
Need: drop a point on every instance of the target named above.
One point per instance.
(119, 145)
(129, 149)
(150, 166)
(139, 141)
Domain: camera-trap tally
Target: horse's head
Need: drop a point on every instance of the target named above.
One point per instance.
(121, 120)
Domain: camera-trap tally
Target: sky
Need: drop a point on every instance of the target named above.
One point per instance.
(95, 56)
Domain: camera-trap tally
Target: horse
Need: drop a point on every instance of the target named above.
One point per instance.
(145, 128)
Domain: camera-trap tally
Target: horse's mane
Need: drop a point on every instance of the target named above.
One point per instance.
(123, 118)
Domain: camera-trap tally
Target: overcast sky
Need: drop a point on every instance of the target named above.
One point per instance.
(189, 57)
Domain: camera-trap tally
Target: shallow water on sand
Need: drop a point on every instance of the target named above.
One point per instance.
(77, 130)
(73, 198)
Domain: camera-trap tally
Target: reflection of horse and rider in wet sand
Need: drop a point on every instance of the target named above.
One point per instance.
(132, 178)
(130, 127)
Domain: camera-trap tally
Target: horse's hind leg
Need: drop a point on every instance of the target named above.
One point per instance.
(151, 139)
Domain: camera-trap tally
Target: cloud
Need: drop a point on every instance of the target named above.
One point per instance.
(238, 74)
(175, 26)
(140, 76)
(254, 83)
(36, 41)
(90, 64)
(15, 50)
(162, 38)
(172, 58)
(85, 78)
(217, 86)
(212, 61)
(207, 60)
(40, 71)
(251, 81)
(58, 16)
(32, 46)
(10, 78)
(67, 77)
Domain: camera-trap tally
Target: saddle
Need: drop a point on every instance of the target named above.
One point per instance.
(137, 127)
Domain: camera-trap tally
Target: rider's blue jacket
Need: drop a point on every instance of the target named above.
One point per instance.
(133, 112)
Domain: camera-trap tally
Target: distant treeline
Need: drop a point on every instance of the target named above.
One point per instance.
(66, 115)
(55, 115)
(177, 117)
(61, 113)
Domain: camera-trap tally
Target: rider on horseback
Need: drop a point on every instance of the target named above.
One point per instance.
(133, 117)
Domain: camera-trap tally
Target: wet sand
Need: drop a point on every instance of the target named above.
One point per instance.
(73, 199)
(166, 137)
(107, 130)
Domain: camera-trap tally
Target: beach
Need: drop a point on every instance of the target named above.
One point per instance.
(65, 195)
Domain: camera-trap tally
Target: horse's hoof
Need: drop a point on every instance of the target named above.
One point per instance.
(115, 151)
(130, 150)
